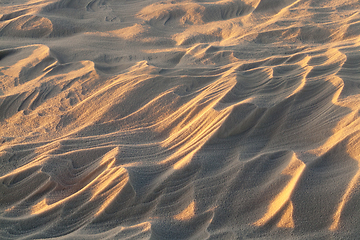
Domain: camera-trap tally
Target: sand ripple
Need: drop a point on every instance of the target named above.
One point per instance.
(179, 119)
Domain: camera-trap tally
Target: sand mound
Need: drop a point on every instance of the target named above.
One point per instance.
(27, 26)
(179, 119)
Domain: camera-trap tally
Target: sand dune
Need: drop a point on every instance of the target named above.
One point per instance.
(182, 119)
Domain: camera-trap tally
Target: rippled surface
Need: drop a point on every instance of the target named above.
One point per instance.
(179, 119)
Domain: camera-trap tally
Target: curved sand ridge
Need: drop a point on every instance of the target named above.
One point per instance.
(179, 119)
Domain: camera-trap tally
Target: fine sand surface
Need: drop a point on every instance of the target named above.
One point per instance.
(179, 119)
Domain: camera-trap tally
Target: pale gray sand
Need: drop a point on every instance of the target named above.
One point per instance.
(179, 119)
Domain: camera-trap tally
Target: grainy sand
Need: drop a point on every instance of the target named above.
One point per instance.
(182, 119)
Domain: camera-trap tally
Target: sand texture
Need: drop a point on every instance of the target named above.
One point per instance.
(179, 119)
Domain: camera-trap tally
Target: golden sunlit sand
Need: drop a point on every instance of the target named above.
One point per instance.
(183, 119)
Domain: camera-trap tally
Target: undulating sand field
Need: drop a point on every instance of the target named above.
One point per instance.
(179, 119)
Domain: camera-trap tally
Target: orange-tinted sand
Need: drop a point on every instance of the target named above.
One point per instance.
(183, 119)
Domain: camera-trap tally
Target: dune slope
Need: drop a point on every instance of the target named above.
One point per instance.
(181, 119)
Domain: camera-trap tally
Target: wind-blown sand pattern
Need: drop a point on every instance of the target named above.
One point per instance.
(183, 119)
